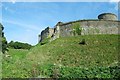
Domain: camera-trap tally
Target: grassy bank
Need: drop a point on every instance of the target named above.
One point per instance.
(65, 57)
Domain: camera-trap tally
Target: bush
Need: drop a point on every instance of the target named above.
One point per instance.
(76, 29)
(77, 72)
(96, 72)
(19, 45)
(83, 42)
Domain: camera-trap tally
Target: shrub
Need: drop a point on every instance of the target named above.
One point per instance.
(19, 45)
(82, 42)
(76, 28)
(77, 72)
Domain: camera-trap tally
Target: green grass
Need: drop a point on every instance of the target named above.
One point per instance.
(66, 57)
(13, 66)
(100, 50)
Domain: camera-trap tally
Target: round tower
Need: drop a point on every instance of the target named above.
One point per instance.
(107, 16)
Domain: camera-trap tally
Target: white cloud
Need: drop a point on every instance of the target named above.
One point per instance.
(6, 8)
(114, 0)
(28, 26)
(13, 1)
(115, 3)
(1, 5)
(116, 7)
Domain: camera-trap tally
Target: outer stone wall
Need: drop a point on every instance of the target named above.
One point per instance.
(47, 33)
(91, 27)
(99, 27)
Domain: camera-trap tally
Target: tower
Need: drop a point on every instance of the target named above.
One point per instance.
(107, 16)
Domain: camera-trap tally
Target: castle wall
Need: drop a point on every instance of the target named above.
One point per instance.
(90, 27)
(99, 27)
(47, 33)
(106, 23)
(66, 30)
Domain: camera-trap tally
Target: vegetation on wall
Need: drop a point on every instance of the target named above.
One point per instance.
(76, 28)
(97, 30)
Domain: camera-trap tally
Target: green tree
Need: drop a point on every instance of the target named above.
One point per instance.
(3, 39)
(19, 45)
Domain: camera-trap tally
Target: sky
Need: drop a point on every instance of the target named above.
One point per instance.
(24, 21)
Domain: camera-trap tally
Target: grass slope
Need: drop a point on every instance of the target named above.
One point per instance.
(100, 50)
(65, 57)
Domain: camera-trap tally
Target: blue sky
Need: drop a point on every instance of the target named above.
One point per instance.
(23, 21)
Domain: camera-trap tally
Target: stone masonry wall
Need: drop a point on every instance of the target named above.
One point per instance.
(47, 33)
(88, 27)
(91, 27)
